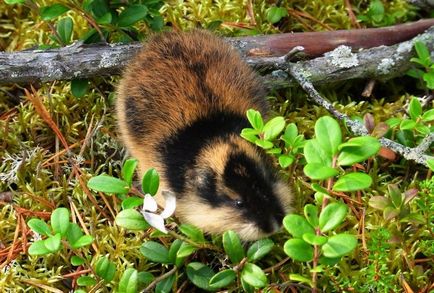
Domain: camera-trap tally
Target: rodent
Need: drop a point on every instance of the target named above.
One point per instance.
(181, 105)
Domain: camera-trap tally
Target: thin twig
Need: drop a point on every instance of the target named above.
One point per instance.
(276, 266)
(160, 278)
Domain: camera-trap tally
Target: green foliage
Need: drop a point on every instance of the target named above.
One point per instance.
(150, 182)
(413, 129)
(266, 136)
(425, 68)
(275, 14)
(52, 11)
(128, 282)
(385, 13)
(79, 87)
(60, 228)
(131, 219)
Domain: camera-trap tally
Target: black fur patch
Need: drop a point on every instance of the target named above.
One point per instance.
(207, 188)
(132, 117)
(179, 153)
(253, 183)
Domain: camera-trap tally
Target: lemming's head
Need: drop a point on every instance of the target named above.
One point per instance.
(233, 187)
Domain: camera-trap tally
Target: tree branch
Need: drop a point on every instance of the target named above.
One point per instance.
(85, 61)
(341, 64)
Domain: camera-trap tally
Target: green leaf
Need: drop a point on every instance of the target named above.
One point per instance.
(407, 124)
(393, 122)
(328, 261)
(155, 252)
(275, 14)
(185, 250)
(298, 249)
(311, 215)
(274, 151)
(105, 19)
(339, 245)
(319, 172)
(132, 202)
(79, 87)
(314, 239)
(421, 128)
(64, 29)
(285, 161)
(358, 149)
(315, 154)
(105, 269)
(38, 248)
(233, 247)
(273, 128)
(379, 202)
(428, 115)
(247, 288)
(86, 281)
(406, 137)
(52, 11)
(39, 226)
(83, 241)
(192, 232)
(173, 250)
(11, 2)
(255, 119)
(423, 53)
(249, 134)
(108, 184)
(74, 233)
(52, 243)
(415, 108)
(200, 275)
(319, 188)
(157, 23)
(128, 169)
(131, 219)
(150, 182)
(132, 14)
(254, 275)
(60, 220)
(297, 225)
(222, 279)
(428, 77)
(290, 134)
(352, 182)
(259, 249)
(299, 278)
(390, 212)
(395, 195)
(77, 261)
(332, 216)
(328, 134)
(145, 278)
(265, 144)
(165, 286)
(128, 281)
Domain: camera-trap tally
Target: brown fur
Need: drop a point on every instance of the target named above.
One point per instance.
(176, 79)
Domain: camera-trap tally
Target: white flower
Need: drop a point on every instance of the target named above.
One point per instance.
(149, 210)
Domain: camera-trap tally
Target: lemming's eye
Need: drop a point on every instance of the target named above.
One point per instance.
(239, 203)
